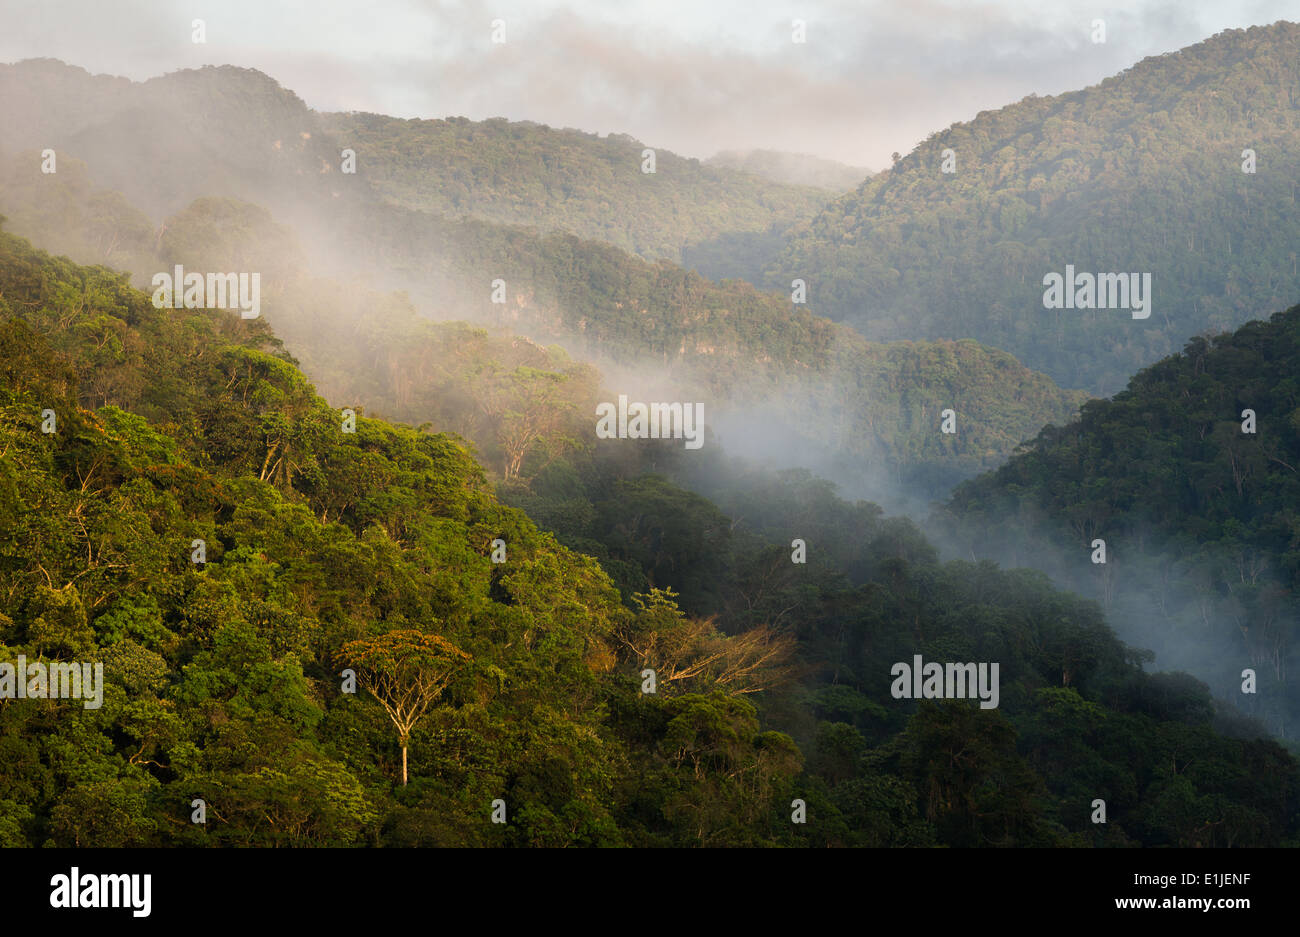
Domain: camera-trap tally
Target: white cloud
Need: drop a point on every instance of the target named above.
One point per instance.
(693, 77)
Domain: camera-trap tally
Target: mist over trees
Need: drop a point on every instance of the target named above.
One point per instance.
(793, 168)
(1189, 475)
(225, 674)
(361, 572)
(864, 413)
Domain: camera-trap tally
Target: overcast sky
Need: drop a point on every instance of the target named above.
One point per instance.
(693, 76)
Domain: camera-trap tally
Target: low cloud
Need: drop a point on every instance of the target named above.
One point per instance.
(694, 78)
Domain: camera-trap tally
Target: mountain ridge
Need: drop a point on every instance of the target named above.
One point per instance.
(1142, 171)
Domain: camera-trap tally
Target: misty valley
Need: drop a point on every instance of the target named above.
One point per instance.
(424, 481)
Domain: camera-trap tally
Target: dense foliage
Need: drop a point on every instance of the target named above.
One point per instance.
(1198, 503)
(328, 549)
(565, 180)
(1142, 172)
(338, 629)
(870, 413)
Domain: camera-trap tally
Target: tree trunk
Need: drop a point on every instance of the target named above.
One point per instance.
(403, 764)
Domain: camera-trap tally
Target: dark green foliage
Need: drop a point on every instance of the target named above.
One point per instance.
(222, 679)
(1199, 517)
(1142, 172)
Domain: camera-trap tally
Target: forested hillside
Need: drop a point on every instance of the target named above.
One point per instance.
(869, 414)
(1142, 172)
(166, 141)
(1190, 477)
(198, 520)
(163, 143)
(873, 409)
(583, 184)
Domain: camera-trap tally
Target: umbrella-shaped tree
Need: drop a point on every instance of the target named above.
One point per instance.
(406, 671)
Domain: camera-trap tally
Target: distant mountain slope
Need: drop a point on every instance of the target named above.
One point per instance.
(166, 141)
(565, 180)
(1142, 172)
(1200, 517)
(793, 168)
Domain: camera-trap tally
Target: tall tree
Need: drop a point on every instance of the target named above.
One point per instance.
(406, 671)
